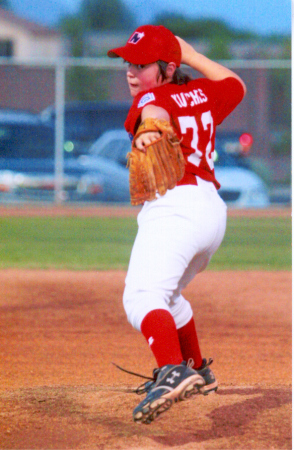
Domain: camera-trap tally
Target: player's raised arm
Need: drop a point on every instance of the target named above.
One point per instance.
(210, 69)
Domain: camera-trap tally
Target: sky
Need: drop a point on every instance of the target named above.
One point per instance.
(260, 16)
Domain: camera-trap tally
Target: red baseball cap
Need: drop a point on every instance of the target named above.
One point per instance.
(148, 44)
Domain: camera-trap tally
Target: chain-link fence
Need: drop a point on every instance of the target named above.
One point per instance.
(37, 125)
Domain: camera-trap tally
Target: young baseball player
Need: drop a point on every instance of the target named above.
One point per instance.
(180, 230)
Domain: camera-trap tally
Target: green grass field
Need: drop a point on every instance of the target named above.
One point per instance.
(95, 243)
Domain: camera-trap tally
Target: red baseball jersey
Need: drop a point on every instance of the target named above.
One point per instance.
(195, 110)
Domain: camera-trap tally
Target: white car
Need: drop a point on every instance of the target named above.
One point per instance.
(240, 186)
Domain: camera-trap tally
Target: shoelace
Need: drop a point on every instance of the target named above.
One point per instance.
(147, 386)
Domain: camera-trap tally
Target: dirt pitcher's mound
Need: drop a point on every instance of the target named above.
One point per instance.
(61, 331)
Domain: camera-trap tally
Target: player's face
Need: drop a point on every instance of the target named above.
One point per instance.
(142, 77)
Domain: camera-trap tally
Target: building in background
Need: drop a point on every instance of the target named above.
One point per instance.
(21, 86)
(21, 38)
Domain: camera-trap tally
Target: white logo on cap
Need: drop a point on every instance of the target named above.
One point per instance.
(136, 37)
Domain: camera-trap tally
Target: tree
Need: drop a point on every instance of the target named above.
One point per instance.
(217, 33)
(219, 48)
(72, 27)
(106, 15)
(199, 28)
(94, 15)
(5, 4)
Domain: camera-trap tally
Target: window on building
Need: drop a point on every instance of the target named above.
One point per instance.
(6, 48)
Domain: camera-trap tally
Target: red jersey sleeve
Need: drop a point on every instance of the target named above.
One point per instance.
(226, 95)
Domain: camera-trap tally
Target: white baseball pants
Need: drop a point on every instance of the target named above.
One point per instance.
(178, 234)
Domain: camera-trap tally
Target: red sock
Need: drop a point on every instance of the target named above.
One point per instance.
(189, 343)
(159, 329)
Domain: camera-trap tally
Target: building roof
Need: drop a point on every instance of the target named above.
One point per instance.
(27, 25)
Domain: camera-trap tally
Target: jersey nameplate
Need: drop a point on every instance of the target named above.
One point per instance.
(146, 99)
(191, 98)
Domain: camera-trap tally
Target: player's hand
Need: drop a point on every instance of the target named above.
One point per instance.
(146, 139)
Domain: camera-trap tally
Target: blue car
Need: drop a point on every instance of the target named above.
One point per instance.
(85, 121)
(27, 168)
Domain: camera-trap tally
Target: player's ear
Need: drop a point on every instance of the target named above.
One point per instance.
(170, 69)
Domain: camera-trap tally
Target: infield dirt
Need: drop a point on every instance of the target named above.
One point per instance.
(62, 330)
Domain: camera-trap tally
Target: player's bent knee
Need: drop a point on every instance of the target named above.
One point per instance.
(181, 311)
(139, 304)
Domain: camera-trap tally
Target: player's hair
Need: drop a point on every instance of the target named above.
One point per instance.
(179, 77)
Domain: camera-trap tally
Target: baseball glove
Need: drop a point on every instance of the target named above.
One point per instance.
(160, 167)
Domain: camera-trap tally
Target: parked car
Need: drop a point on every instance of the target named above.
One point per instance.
(240, 186)
(27, 168)
(113, 144)
(9, 115)
(85, 121)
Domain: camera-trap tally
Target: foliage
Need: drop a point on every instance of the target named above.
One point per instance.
(94, 15)
(280, 88)
(286, 42)
(72, 28)
(217, 33)
(5, 4)
(86, 84)
(200, 28)
(97, 15)
(105, 243)
(281, 145)
(113, 15)
(106, 15)
(219, 48)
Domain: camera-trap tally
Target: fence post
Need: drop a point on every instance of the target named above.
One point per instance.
(59, 194)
